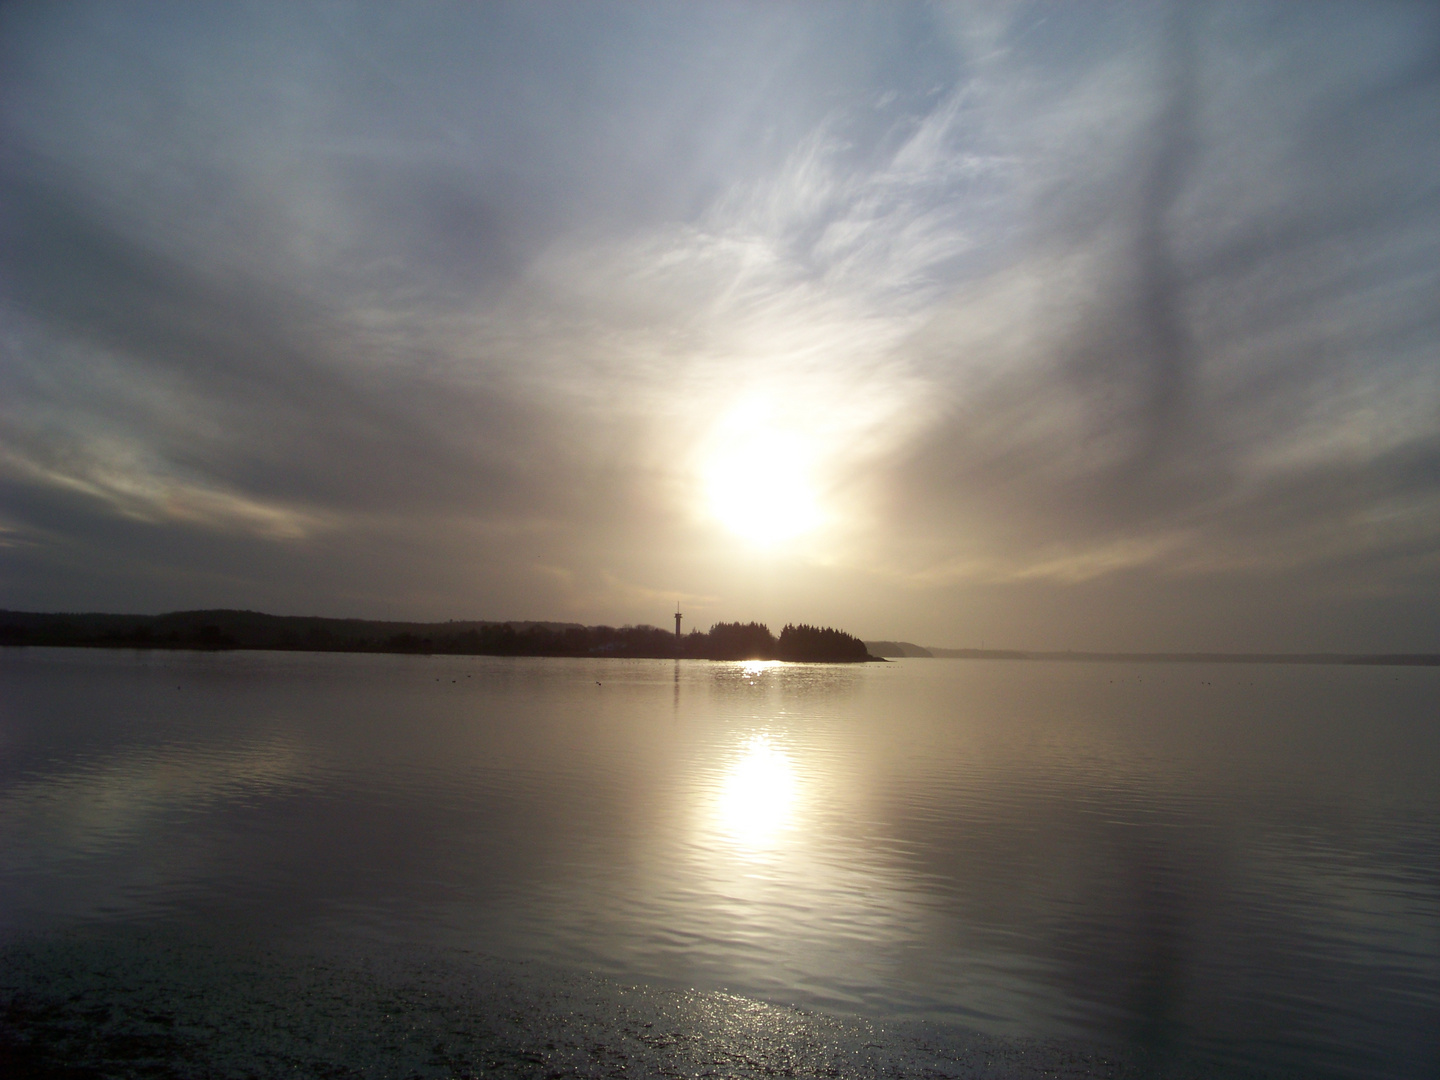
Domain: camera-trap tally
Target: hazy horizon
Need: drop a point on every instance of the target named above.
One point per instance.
(1108, 327)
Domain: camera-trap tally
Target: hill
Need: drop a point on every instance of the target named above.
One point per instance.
(897, 649)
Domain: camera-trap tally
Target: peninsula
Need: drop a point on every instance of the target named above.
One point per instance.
(227, 629)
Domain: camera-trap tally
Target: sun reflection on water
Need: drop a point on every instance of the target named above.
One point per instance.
(757, 795)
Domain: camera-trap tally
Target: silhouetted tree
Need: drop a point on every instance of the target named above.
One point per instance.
(740, 641)
(211, 636)
(813, 643)
(253, 630)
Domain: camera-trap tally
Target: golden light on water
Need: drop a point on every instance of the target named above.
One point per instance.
(750, 668)
(757, 795)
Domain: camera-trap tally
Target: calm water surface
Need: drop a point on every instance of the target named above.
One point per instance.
(1231, 861)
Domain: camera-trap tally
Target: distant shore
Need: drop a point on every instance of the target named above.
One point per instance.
(1404, 659)
(226, 630)
(905, 649)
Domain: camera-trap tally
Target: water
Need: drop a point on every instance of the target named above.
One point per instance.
(1236, 865)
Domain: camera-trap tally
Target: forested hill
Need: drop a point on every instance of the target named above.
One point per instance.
(753, 641)
(225, 629)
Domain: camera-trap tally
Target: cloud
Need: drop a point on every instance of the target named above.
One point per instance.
(437, 314)
(1168, 362)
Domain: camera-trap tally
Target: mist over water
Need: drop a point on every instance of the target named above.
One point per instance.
(1236, 863)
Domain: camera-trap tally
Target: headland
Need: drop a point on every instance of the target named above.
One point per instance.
(225, 629)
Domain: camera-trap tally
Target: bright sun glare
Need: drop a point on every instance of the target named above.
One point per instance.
(756, 795)
(758, 484)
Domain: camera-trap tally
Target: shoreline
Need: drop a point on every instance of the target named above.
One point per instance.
(224, 630)
(198, 648)
(98, 1001)
(1314, 659)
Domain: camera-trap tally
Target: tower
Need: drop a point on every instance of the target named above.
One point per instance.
(677, 624)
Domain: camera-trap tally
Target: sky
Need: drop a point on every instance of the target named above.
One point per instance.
(1030, 325)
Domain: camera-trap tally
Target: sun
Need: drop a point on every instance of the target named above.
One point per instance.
(758, 483)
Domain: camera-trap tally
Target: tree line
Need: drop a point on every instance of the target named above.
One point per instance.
(217, 630)
(753, 641)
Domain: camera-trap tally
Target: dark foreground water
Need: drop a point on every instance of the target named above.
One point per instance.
(268, 864)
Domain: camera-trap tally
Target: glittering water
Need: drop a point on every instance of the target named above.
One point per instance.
(1231, 862)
